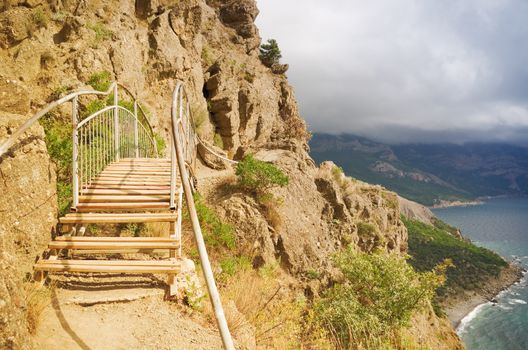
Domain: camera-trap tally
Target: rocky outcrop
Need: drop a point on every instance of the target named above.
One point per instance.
(27, 217)
(415, 211)
(316, 215)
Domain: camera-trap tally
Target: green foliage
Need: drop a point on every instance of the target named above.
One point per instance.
(216, 233)
(60, 147)
(218, 141)
(391, 199)
(270, 53)
(101, 81)
(312, 274)
(232, 264)
(207, 56)
(40, 18)
(377, 299)
(102, 33)
(259, 177)
(92, 107)
(366, 229)
(473, 265)
(160, 144)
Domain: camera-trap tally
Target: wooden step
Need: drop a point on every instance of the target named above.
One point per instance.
(126, 187)
(129, 182)
(126, 171)
(113, 245)
(123, 192)
(122, 199)
(114, 239)
(123, 206)
(109, 266)
(104, 218)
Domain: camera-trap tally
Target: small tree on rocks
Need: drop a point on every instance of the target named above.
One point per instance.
(270, 53)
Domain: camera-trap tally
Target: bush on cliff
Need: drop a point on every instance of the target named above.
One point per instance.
(259, 177)
(378, 296)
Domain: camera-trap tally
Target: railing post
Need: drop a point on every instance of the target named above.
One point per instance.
(136, 133)
(173, 174)
(75, 155)
(116, 124)
(214, 295)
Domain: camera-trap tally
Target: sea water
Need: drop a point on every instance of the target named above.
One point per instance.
(500, 225)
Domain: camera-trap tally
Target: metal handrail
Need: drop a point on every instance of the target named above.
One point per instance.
(180, 113)
(24, 127)
(77, 124)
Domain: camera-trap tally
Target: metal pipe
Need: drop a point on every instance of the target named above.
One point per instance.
(204, 259)
(75, 155)
(116, 124)
(136, 136)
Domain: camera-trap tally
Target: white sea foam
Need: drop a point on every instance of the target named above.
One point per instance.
(469, 317)
(517, 301)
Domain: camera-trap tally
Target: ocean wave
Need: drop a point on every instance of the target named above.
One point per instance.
(516, 301)
(504, 307)
(468, 318)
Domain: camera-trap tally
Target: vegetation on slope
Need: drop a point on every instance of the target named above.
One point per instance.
(473, 265)
(378, 296)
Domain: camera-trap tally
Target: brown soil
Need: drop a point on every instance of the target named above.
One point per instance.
(135, 318)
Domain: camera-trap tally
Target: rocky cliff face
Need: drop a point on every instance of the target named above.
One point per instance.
(50, 47)
(27, 217)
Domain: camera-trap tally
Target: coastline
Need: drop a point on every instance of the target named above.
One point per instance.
(448, 204)
(461, 305)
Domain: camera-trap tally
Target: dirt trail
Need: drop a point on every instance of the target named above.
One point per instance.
(143, 322)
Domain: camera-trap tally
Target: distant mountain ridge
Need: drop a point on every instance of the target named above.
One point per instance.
(429, 173)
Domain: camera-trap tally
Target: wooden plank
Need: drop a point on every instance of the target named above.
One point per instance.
(166, 263)
(103, 267)
(114, 239)
(138, 191)
(130, 205)
(127, 187)
(121, 199)
(82, 218)
(96, 245)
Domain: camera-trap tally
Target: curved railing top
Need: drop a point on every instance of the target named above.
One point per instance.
(178, 112)
(4, 147)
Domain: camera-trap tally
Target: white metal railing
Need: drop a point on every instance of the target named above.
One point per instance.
(107, 135)
(184, 150)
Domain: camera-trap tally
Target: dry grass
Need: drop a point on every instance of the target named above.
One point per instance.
(258, 299)
(37, 298)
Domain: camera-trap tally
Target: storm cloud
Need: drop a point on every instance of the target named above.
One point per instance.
(407, 70)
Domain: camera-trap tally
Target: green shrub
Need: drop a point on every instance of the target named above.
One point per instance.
(270, 53)
(160, 144)
(366, 230)
(233, 264)
(218, 141)
(60, 147)
(40, 18)
(101, 81)
(92, 107)
(259, 177)
(216, 233)
(102, 33)
(430, 245)
(207, 57)
(378, 297)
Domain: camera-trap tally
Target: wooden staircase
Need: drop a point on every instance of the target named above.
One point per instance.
(128, 191)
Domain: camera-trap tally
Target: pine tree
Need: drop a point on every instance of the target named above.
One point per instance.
(270, 53)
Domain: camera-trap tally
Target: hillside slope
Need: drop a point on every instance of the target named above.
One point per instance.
(429, 173)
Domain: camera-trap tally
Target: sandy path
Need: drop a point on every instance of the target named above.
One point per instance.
(148, 323)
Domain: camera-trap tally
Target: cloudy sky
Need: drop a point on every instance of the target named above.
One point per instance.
(406, 70)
